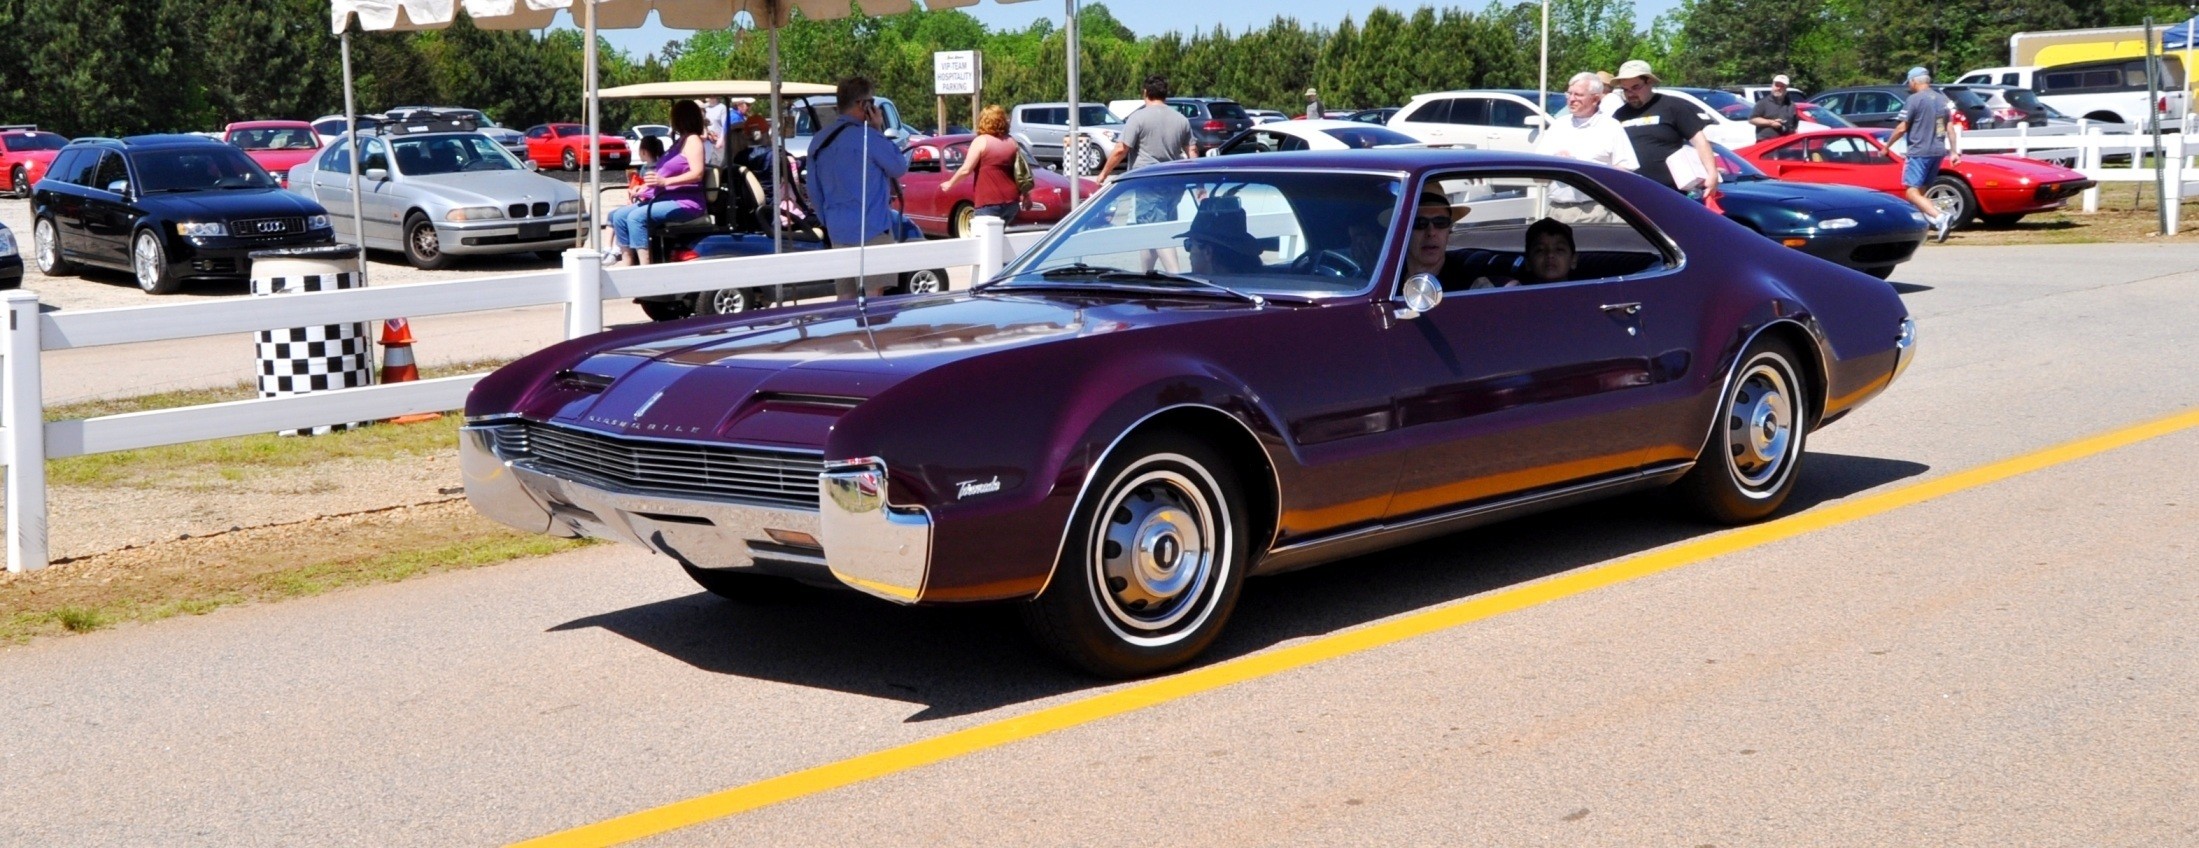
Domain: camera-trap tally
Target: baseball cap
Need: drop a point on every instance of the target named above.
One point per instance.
(1635, 68)
(1780, 79)
(1918, 73)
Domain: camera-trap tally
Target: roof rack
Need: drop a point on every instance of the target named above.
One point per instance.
(426, 121)
(9, 127)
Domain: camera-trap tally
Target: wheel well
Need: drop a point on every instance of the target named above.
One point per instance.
(1229, 436)
(1813, 368)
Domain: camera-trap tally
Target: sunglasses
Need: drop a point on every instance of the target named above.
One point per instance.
(1439, 222)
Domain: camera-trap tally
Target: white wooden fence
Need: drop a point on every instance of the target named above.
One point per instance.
(582, 286)
(2087, 146)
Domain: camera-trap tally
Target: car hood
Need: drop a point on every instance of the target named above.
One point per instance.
(1804, 197)
(692, 383)
(224, 204)
(2014, 167)
(493, 187)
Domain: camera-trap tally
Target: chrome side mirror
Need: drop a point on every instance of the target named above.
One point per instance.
(377, 174)
(1422, 293)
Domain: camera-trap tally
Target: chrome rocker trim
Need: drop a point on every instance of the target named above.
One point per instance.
(867, 544)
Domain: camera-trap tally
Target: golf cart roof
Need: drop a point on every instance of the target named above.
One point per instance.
(711, 88)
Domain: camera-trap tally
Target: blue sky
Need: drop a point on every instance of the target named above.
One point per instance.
(1146, 17)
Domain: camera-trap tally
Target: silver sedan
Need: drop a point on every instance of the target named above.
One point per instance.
(437, 196)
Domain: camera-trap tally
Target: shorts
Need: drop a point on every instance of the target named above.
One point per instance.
(1918, 171)
(1156, 205)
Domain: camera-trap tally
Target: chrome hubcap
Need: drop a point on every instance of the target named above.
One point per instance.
(47, 250)
(1946, 199)
(1156, 551)
(728, 301)
(923, 282)
(425, 243)
(1760, 426)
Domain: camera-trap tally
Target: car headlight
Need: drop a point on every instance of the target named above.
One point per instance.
(473, 213)
(571, 207)
(201, 228)
(7, 243)
(1836, 223)
(316, 222)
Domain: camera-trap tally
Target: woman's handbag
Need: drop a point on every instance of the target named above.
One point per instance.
(1024, 180)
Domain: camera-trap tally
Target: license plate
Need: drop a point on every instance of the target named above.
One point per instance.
(531, 232)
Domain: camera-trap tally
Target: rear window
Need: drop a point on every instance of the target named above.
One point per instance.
(1965, 98)
(34, 141)
(2023, 98)
(1226, 110)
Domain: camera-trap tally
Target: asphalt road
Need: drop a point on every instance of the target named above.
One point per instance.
(2010, 663)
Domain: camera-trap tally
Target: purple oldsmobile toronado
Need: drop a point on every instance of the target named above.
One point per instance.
(1214, 369)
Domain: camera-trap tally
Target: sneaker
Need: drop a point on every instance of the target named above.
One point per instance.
(1942, 223)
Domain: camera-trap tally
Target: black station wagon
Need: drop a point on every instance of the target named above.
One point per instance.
(167, 208)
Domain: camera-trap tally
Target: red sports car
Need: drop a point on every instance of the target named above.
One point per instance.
(277, 145)
(1998, 189)
(947, 213)
(566, 146)
(25, 153)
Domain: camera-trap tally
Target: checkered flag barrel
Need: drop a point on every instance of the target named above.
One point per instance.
(297, 360)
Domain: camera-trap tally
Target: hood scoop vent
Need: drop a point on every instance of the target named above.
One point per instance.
(582, 381)
(808, 399)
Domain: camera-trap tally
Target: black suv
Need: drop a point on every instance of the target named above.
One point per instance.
(165, 207)
(1876, 105)
(1213, 119)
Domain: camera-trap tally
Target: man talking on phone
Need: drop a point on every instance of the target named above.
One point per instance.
(852, 167)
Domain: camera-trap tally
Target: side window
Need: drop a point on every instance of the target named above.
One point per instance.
(376, 156)
(951, 157)
(1467, 110)
(2008, 79)
(1786, 153)
(1505, 113)
(538, 132)
(60, 171)
(1834, 103)
(338, 158)
(1435, 111)
(1490, 239)
(1188, 110)
(1289, 142)
(111, 170)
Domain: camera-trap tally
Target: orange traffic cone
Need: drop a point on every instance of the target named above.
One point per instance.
(397, 364)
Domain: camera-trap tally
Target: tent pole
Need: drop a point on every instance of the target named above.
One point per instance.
(595, 138)
(1076, 104)
(1542, 94)
(781, 171)
(351, 141)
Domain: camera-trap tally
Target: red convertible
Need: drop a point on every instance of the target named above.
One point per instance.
(566, 146)
(1997, 189)
(947, 214)
(277, 145)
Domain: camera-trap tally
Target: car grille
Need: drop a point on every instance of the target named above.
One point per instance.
(777, 478)
(260, 227)
(521, 210)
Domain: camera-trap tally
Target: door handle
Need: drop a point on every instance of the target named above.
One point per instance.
(1623, 308)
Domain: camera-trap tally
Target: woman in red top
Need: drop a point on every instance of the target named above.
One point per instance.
(992, 158)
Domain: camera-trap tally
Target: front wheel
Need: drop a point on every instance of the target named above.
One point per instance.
(571, 160)
(423, 246)
(1953, 197)
(1747, 468)
(728, 301)
(149, 259)
(931, 281)
(1154, 561)
(20, 182)
(1088, 158)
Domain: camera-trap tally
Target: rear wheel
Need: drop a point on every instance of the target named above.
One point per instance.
(149, 260)
(930, 281)
(1953, 197)
(47, 244)
(1747, 469)
(423, 247)
(1154, 561)
(728, 301)
(958, 221)
(571, 160)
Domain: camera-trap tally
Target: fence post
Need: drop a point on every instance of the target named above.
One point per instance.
(992, 247)
(2172, 188)
(2023, 139)
(2088, 160)
(583, 292)
(23, 412)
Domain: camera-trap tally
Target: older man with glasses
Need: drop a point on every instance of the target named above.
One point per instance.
(1586, 134)
(1662, 128)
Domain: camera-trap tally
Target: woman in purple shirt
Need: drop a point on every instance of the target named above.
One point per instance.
(675, 188)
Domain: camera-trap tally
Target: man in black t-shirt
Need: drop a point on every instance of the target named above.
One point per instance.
(1661, 126)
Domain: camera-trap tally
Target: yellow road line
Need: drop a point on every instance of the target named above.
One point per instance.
(962, 742)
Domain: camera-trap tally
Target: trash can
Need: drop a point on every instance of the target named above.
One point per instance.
(297, 360)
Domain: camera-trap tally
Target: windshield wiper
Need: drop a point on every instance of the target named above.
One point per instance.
(1168, 277)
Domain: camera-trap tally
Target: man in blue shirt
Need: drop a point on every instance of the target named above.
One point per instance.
(852, 166)
(1929, 136)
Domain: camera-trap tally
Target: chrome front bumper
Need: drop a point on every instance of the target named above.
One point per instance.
(859, 539)
(1905, 347)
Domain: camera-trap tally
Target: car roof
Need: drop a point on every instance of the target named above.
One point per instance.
(268, 125)
(150, 142)
(1410, 160)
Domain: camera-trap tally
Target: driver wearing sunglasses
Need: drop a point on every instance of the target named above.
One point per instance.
(1427, 248)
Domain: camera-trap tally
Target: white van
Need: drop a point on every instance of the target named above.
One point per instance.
(2114, 90)
(2016, 75)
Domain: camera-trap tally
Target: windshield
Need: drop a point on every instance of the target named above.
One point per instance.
(1094, 114)
(450, 154)
(197, 167)
(1727, 103)
(275, 138)
(1369, 136)
(568, 130)
(1255, 232)
(1813, 112)
(34, 141)
(1733, 168)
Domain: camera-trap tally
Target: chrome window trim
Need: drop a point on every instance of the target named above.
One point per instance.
(1084, 489)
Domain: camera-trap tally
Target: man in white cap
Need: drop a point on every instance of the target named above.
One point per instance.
(1774, 115)
(1662, 127)
(1923, 125)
